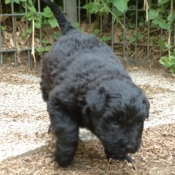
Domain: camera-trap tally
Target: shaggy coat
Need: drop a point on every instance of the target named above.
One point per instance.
(85, 85)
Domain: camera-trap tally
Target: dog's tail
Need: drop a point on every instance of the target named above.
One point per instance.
(64, 24)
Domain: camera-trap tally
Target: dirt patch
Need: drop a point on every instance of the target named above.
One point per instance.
(26, 148)
(157, 156)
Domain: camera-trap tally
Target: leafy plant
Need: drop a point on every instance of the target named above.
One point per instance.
(105, 38)
(49, 17)
(77, 26)
(103, 6)
(115, 7)
(165, 21)
(17, 1)
(136, 35)
(168, 62)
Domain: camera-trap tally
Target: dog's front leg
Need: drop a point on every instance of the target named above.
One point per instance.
(66, 131)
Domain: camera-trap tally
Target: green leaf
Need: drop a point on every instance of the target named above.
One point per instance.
(52, 22)
(47, 12)
(23, 0)
(37, 25)
(47, 48)
(44, 41)
(96, 32)
(168, 46)
(3, 28)
(117, 12)
(160, 22)
(29, 16)
(132, 39)
(30, 2)
(171, 17)
(106, 38)
(56, 35)
(24, 34)
(121, 5)
(153, 13)
(29, 31)
(161, 44)
(92, 7)
(17, 1)
(40, 50)
(32, 9)
(7, 1)
(163, 1)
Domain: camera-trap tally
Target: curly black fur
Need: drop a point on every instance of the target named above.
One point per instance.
(85, 85)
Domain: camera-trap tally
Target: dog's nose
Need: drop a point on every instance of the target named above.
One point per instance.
(130, 148)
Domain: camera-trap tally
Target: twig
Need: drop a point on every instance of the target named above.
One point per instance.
(33, 38)
(146, 7)
(169, 32)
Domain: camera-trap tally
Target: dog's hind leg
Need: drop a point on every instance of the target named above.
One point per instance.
(66, 131)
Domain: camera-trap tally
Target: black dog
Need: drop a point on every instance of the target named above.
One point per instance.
(85, 85)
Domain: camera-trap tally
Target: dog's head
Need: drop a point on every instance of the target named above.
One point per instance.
(117, 112)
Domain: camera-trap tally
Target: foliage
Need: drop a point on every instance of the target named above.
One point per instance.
(115, 7)
(168, 62)
(46, 18)
(3, 27)
(161, 15)
(165, 20)
(136, 35)
(17, 1)
(103, 6)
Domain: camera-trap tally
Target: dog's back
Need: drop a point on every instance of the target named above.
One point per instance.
(77, 55)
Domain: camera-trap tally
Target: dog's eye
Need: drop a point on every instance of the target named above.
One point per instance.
(115, 124)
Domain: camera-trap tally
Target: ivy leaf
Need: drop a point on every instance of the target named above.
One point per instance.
(29, 16)
(47, 48)
(163, 1)
(3, 27)
(17, 1)
(37, 25)
(40, 49)
(29, 31)
(168, 46)
(52, 22)
(117, 12)
(160, 22)
(171, 18)
(120, 5)
(163, 24)
(132, 40)
(153, 13)
(44, 41)
(32, 9)
(47, 12)
(30, 2)
(7, 1)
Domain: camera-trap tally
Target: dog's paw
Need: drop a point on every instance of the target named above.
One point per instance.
(120, 158)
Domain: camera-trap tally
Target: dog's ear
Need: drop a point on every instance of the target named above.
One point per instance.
(96, 100)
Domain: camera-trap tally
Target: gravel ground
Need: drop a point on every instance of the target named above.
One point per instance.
(24, 121)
